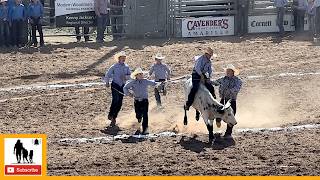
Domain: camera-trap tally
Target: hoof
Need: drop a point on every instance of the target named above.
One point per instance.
(139, 120)
(211, 138)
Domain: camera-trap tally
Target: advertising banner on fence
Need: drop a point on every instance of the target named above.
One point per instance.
(208, 26)
(268, 23)
(71, 13)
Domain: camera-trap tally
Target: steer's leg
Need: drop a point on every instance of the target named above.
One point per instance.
(197, 115)
(209, 125)
(185, 121)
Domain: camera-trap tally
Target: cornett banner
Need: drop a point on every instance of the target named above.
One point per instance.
(208, 26)
(70, 13)
(268, 23)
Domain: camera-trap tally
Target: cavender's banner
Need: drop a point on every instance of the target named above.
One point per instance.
(208, 26)
(70, 13)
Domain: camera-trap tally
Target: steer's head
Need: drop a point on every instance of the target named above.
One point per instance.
(227, 114)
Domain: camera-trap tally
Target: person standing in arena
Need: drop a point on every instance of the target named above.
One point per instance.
(101, 10)
(120, 73)
(202, 72)
(280, 5)
(17, 15)
(229, 87)
(35, 13)
(139, 87)
(161, 73)
(116, 14)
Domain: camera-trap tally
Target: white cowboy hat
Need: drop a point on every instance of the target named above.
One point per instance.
(159, 56)
(135, 73)
(120, 54)
(234, 69)
(210, 51)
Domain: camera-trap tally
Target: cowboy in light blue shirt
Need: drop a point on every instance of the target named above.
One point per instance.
(120, 73)
(139, 91)
(202, 71)
(161, 73)
(139, 88)
(230, 86)
(203, 65)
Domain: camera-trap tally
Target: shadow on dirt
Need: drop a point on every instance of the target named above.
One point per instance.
(111, 130)
(195, 145)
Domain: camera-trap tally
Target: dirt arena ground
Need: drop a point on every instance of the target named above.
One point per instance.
(280, 89)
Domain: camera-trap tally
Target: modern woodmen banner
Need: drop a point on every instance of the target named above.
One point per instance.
(268, 23)
(70, 13)
(208, 26)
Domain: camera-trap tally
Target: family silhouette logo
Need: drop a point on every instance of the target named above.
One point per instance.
(24, 156)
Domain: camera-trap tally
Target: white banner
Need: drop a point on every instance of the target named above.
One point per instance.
(70, 13)
(65, 7)
(268, 23)
(208, 26)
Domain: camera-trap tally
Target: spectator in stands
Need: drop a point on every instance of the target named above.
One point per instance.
(299, 10)
(85, 31)
(100, 7)
(17, 16)
(4, 23)
(311, 12)
(116, 13)
(280, 5)
(35, 13)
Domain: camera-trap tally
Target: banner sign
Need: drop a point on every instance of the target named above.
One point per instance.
(268, 23)
(208, 26)
(70, 13)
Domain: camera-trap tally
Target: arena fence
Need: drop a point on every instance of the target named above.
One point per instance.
(166, 18)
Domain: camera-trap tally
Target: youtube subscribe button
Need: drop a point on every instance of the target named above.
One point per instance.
(23, 170)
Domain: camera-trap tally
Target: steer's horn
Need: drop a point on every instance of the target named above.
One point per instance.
(227, 105)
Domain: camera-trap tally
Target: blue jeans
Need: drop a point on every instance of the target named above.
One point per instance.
(117, 99)
(4, 33)
(102, 23)
(17, 32)
(117, 22)
(280, 15)
(141, 109)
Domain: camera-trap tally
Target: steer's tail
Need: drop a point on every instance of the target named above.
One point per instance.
(185, 121)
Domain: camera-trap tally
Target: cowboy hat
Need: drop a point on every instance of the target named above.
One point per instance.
(210, 51)
(159, 56)
(120, 54)
(234, 69)
(136, 72)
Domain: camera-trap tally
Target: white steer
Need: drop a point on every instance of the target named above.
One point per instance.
(209, 108)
